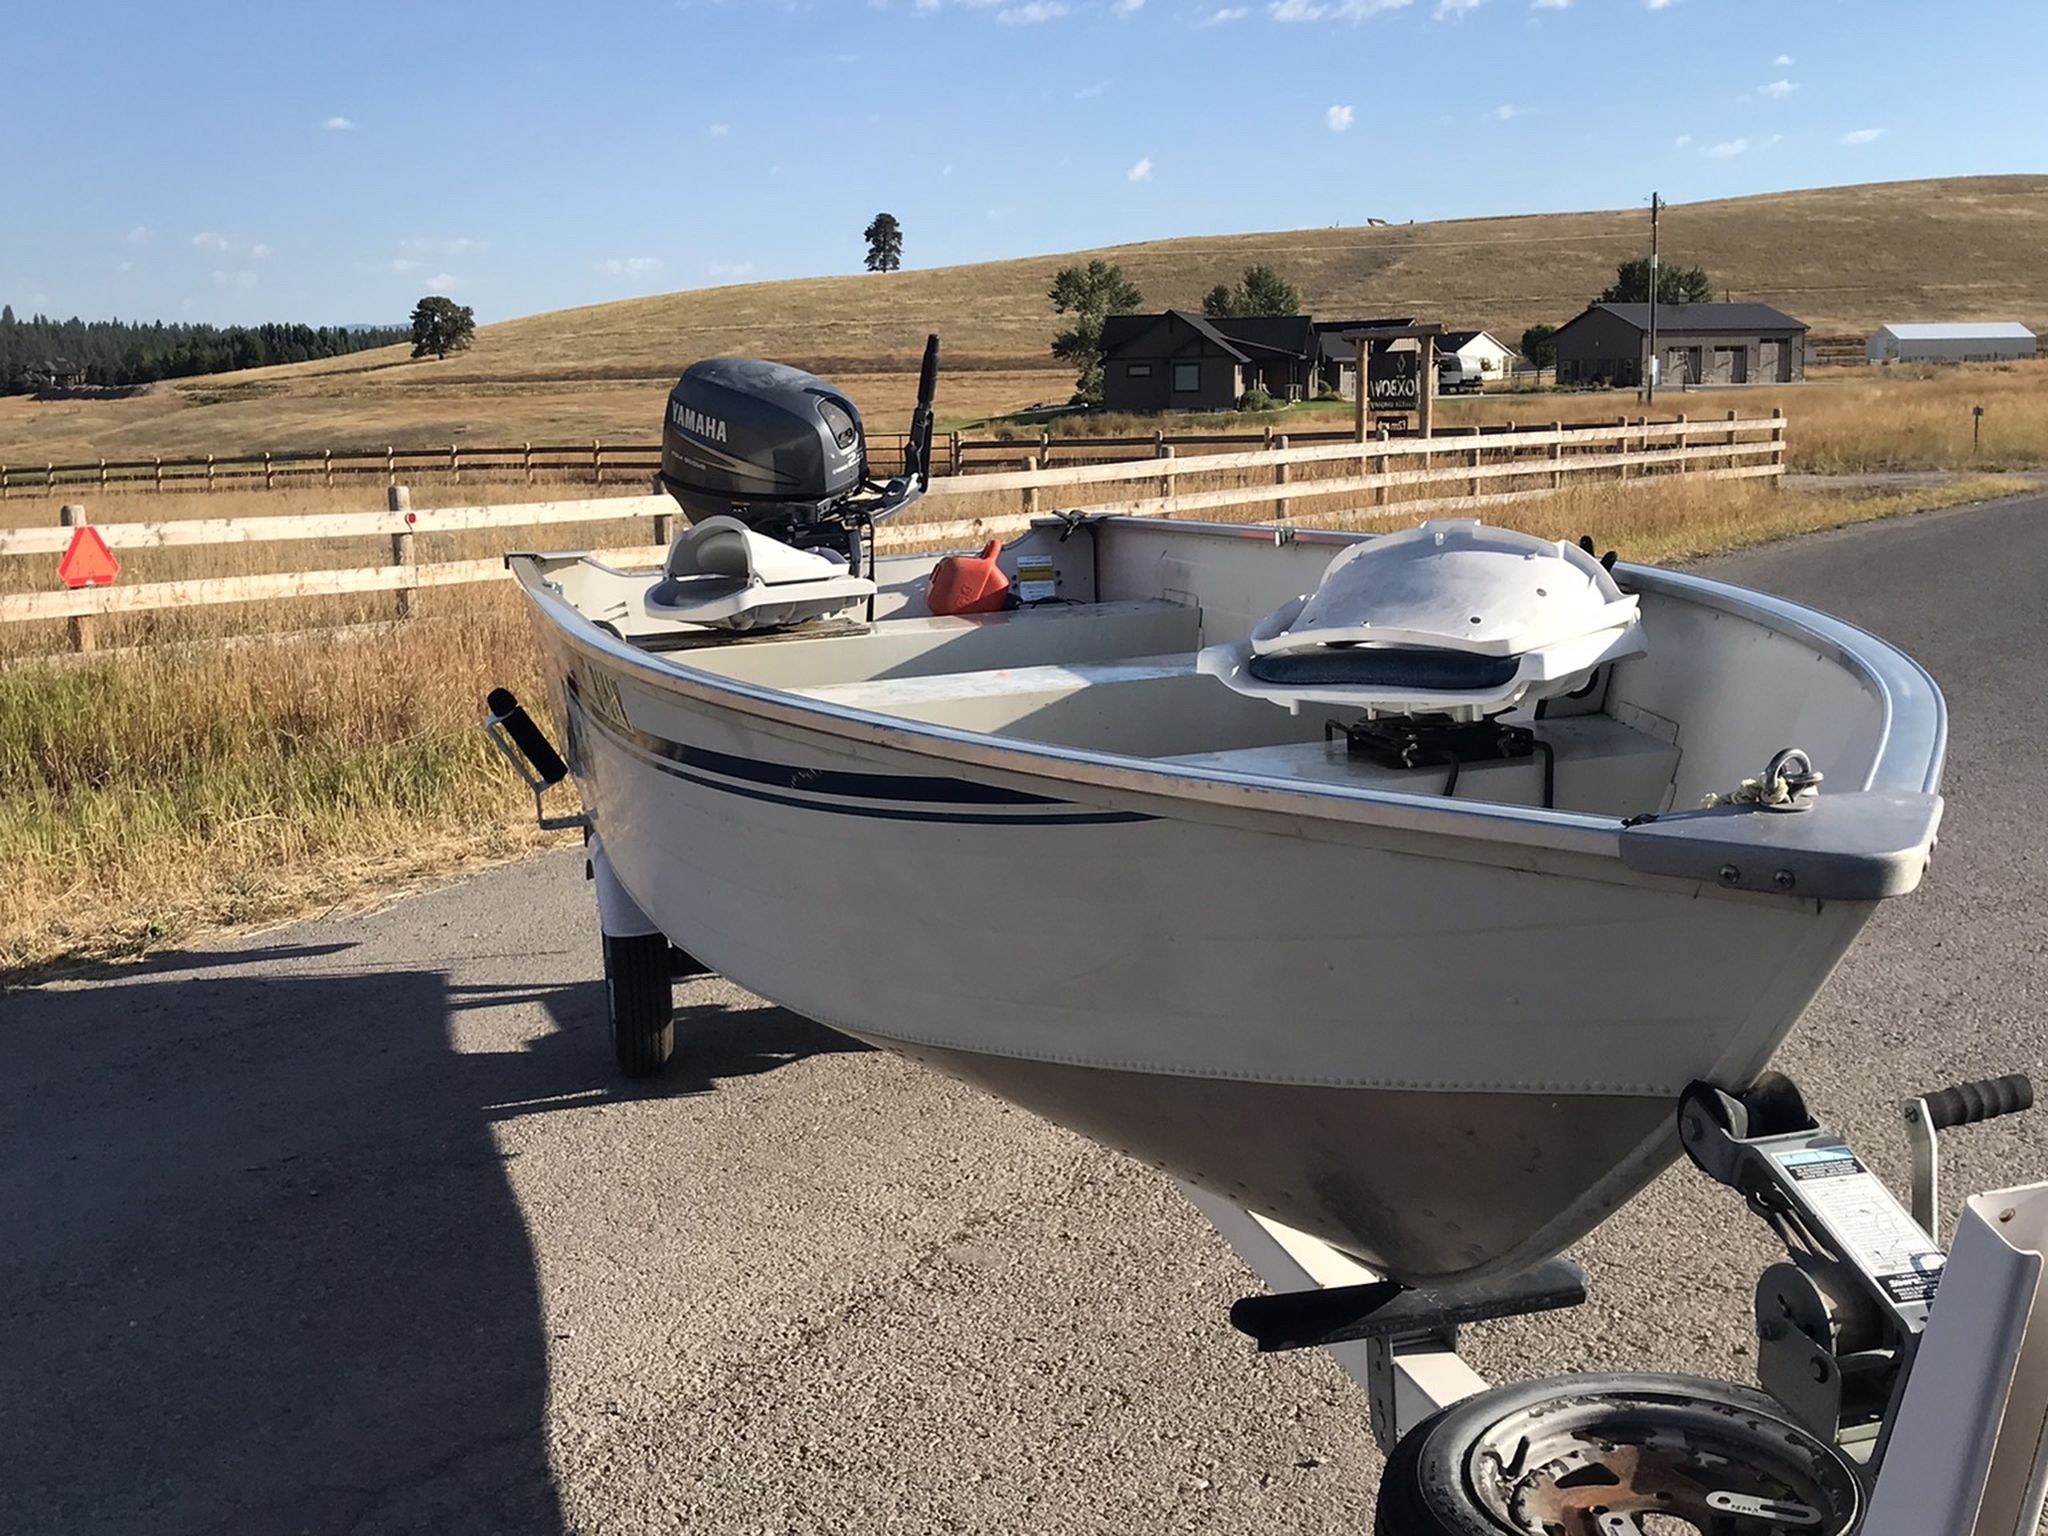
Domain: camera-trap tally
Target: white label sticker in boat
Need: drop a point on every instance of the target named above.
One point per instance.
(1864, 1215)
(1037, 579)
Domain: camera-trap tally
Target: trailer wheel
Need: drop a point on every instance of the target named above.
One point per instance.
(637, 992)
(1561, 1454)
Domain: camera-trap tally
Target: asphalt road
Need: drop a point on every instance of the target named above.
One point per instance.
(350, 1228)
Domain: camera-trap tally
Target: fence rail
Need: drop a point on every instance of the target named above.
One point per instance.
(1473, 470)
(599, 463)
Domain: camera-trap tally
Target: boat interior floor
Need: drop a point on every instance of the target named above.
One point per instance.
(1120, 677)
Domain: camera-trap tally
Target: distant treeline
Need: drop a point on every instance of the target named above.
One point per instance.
(38, 352)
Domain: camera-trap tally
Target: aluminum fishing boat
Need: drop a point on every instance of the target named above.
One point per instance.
(1363, 882)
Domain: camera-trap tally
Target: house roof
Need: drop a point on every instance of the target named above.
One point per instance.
(1984, 330)
(1286, 335)
(1701, 317)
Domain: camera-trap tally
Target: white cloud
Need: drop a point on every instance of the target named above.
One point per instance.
(730, 268)
(1127, 7)
(719, 130)
(1727, 149)
(444, 282)
(1783, 61)
(1090, 92)
(629, 266)
(212, 240)
(1777, 90)
(124, 266)
(241, 279)
(1550, 5)
(1142, 171)
(1681, 141)
(1506, 112)
(1453, 9)
(404, 264)
(339, 125)
(1863, 136)
(1340, 118)
(1657, 5)
(1032, 13)
(423, 245)
(1337, 10)
(259, 250)
(1223, 14)
(141, 234)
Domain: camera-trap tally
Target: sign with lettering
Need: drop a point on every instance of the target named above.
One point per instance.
(1393, 380)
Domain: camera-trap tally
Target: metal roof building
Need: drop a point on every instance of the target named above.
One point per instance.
(1979, 341)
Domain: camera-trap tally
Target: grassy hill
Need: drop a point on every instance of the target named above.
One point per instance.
(1844, 259)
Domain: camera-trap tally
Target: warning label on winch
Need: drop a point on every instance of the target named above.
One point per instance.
(1867, 1220)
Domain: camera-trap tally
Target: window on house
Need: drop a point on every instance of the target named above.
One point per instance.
(1187, 378)
(1137, 370)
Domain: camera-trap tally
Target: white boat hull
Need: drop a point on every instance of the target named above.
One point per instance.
(1113, 963)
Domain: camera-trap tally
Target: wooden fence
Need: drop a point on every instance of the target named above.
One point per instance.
(601, 463)
(1377, 480)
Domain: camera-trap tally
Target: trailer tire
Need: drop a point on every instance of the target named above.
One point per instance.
(1428, 1488)
(641, 1002)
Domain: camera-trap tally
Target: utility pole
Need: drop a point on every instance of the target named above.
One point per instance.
(1650, 377)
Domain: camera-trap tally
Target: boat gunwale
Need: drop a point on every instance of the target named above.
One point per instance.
(1911, 704)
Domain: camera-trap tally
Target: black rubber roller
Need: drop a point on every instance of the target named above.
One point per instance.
(1968, 1103)
(526, 736)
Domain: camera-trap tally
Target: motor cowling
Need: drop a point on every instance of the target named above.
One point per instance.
(763, 442)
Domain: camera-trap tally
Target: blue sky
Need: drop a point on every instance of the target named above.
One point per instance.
(331, 162)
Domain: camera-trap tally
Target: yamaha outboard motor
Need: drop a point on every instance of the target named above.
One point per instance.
(782, 451)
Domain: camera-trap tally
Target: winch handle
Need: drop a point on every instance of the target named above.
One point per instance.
(1972, 1103)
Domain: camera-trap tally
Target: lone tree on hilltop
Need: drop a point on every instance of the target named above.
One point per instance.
(885, 243)
(1675, 285)
(1538, 348)
(1089, 294)
(1262, 291)
(440, 326)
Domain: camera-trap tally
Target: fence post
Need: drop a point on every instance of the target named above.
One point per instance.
(1621, 444)
(953, 452)
(103, 474)
(1472, 485)
(526, 458)
(1380, 462)
(455, 463)
(1684, 464)
(1733, 461)
(49, 477)
(1778, 441)
(269, 484)
(398, 498)
(1282, 473)
(390, 465)
(1166, 480)
(209, 471)
(79, 624)
(327, 467)
(597, 460)
(1035, 463)
(6, 483)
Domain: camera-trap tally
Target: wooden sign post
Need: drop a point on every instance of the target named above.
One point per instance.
(1424, 337)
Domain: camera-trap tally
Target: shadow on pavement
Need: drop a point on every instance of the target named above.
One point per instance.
(263, 1269)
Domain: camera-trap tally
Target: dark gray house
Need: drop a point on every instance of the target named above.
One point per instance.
(1698, 344)
(1184, 362)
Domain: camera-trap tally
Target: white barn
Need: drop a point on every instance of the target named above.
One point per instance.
(1983, 341)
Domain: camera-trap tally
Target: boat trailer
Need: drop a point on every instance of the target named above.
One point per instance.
(1883, 1413)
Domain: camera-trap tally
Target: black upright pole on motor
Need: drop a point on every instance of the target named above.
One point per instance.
(917, 452)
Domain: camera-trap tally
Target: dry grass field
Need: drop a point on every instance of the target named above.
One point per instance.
(1845, 259)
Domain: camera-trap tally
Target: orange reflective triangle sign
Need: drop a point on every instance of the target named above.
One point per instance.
(88, 562)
